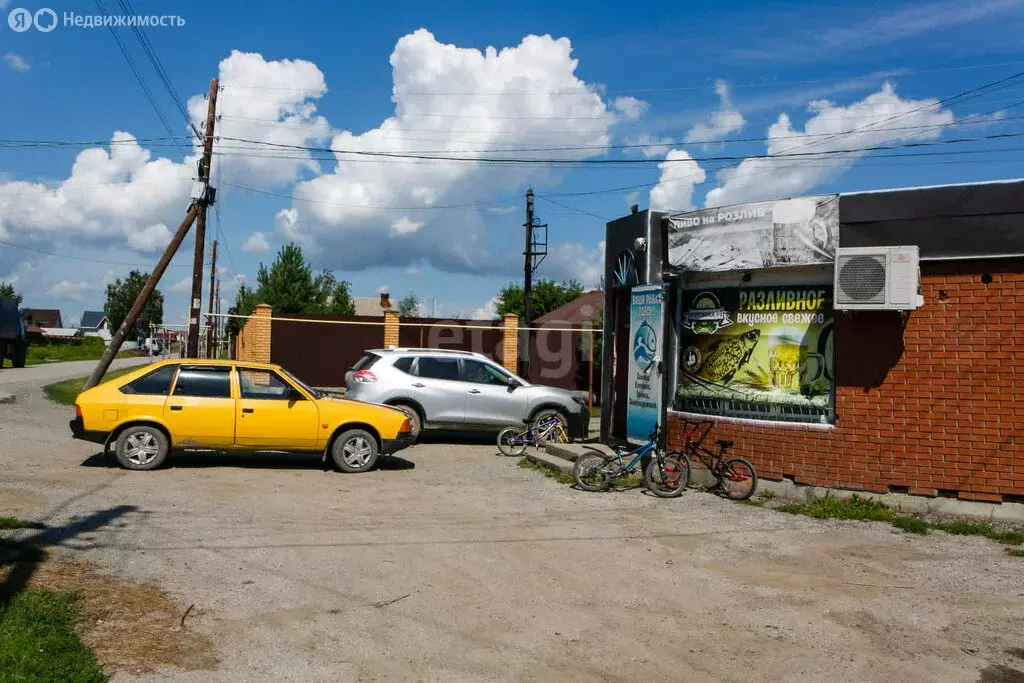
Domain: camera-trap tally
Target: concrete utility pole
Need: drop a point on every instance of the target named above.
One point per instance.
(195, 311)
(209, 318)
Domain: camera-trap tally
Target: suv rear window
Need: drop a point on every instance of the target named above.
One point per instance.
(366, 362)
(156, 383)
(404, 364)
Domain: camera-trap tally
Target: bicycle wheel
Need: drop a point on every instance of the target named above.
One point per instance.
(668, 476)
(591, 472)
(512, 441)
(737, 479)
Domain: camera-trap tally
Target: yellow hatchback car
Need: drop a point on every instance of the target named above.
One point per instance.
(227, 405)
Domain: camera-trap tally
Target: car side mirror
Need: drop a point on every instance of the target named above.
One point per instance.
(513, 383)
(295, 395)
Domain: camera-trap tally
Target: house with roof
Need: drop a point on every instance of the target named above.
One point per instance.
(95, 324)
(43, 317)
(371, 305)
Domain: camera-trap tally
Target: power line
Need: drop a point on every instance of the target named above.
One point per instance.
(572, 208)
(892, 73)
(434, 156)
(158, 65)
(138, 76)
(82, 258)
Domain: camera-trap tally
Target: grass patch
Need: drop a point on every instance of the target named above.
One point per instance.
(15, 523)
(964, 528)
(67, 391)
(561, 477)
(595, 411)
(911, 525)
(1015, 552)
(873, 510)
(38, 641)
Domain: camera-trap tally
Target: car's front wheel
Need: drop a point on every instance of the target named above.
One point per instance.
(355, 451)
(141, 448)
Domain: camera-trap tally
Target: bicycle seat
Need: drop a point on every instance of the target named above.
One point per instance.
(725, 444)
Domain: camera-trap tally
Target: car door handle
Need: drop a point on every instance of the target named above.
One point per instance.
(176, 408)
(418, 385)
(474, 391)
(247, 410)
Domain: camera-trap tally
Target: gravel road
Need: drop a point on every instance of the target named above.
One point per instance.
(454, 564)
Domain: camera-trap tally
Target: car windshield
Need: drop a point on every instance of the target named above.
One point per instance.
(315, 392)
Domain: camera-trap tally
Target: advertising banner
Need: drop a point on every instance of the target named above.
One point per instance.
(757, 352)
(643, 396)
(788, 232)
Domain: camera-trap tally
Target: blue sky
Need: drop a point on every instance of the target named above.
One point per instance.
(644, 73)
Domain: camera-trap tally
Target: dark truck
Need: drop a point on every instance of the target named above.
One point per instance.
(13, 335)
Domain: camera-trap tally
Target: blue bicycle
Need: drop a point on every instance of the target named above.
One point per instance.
(667, 474)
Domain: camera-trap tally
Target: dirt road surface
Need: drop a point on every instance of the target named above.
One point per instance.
(38, 375)
(454, 564)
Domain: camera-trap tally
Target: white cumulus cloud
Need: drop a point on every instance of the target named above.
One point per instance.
(631, 107)
(488, 311)
(725, 120)
(834, 128)
(465, 99)
(66, 289)
(256, 244)
(679, 174)
(650, 145)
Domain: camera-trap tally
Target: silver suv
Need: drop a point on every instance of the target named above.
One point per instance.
(460, 390)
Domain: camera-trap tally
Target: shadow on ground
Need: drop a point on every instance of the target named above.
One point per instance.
(259, 460)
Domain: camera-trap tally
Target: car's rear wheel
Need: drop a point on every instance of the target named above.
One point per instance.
(355, 451)
(415, 421)
(141, 447)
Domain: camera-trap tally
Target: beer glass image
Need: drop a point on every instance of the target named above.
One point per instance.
(790, 366)
(790, 235)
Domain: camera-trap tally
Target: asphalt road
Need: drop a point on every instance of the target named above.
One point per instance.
(453, 564)
(39, 375)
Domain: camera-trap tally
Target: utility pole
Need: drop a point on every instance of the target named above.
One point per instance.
(209, 318)
(536, 246)
(197, 263)
(216, 319)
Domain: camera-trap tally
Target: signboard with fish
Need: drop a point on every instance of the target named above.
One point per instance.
(757, 352)
(643, 396)
(776, 234)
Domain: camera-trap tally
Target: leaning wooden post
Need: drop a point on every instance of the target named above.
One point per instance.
(142, 299)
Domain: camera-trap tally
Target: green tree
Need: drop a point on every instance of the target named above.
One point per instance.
(7, 292)
(289, 286)
(121, 295)
(547, 296)
(339, 296)
(409, 306)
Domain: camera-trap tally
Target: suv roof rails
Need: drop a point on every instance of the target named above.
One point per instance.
(405, 349)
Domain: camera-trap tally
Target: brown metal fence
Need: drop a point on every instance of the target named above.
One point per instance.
(321, 354)
(560, 358)
(440, 333)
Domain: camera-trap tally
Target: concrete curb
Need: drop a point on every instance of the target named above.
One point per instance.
(549, 461)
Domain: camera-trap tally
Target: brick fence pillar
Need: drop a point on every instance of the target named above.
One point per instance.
(391, 320)
(510, 342)
(254, 339)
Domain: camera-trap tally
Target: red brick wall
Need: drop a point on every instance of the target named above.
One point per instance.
(936, 408)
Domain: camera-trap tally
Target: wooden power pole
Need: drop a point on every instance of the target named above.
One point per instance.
(536, 250)
(192, 350)
(209, 317)
(202, 197)
(216, 319)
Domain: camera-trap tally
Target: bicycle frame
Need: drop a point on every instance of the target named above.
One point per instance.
(536, 433)
(710, 460)
(637, 453)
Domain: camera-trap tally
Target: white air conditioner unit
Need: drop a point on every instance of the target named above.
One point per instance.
(878, 278)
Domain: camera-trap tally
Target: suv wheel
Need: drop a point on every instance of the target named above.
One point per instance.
(551, 412)
(415, 421)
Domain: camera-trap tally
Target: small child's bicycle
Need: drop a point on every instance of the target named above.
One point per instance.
(667, 474)
(514, 440)
(735, 477)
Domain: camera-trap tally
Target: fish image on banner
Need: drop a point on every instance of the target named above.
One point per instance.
(757, 352)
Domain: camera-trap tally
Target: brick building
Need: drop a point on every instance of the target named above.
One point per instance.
(926, 401)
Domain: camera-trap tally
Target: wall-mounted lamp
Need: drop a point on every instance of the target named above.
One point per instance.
(640, 245)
